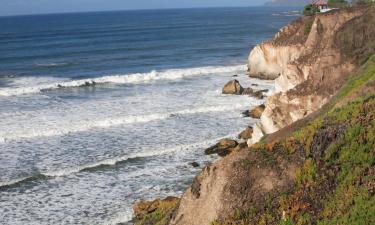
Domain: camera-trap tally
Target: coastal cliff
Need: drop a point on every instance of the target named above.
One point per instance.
(311, 157)
(309, 62)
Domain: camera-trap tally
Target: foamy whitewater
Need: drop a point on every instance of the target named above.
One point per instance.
(99, 110)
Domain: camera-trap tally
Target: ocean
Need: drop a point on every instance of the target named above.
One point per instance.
(99, 110)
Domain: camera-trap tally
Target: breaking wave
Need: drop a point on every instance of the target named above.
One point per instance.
(110, 122)
(51, 64)
(106, 163)
(172, 74)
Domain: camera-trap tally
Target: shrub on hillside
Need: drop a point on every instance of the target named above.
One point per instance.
(310, 10)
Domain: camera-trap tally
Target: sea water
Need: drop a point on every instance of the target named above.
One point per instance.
(99, 110)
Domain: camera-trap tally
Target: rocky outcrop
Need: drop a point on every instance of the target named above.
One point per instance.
(258, 133)
(222, 148)
(272, 181)
(244, 178)
(309, 67)
(233, 87)
(266, 61)
(282, 110)
(257, 111)
(246, 134)
(194, 164)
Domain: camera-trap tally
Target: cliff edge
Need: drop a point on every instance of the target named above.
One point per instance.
(318, 166)
(310, 59)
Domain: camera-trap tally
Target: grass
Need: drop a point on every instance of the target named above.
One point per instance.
(336, 184)
(161, 215)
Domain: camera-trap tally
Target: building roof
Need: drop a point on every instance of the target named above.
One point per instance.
(319, 2)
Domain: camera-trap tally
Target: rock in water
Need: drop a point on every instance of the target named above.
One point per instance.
(222, 148)
(257, 111)
(246, 134)
(258, 94)
(233, 87)
(248, 91)
(194, 164)
(246, 113)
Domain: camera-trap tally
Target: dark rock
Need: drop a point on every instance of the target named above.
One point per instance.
(222, 148)
(258, 94)
(235, 75)
(233, 87)
(247, 91)
(246, 113)
(194, 164)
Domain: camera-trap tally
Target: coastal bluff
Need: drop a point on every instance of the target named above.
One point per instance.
(309, 61)
(315, 138)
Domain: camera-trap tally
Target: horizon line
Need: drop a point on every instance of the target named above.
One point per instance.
(146, 9)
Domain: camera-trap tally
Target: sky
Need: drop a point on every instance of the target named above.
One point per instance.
(20, 7)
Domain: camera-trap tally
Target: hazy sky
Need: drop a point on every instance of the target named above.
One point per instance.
(15, 7)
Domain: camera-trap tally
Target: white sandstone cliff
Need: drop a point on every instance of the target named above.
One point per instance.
(304, 69)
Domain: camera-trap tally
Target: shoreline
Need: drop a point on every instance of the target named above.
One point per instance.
(291, 59)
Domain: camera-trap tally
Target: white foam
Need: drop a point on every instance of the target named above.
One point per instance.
(51, 64)
(106, 162)
(121, 217)
(14, 181)
(144, 154)
(113, 161)
(109, 122)
(172, 74)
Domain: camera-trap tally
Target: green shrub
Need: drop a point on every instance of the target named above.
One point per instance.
(310, 10)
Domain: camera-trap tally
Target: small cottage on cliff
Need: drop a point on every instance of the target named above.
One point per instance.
(322, 5)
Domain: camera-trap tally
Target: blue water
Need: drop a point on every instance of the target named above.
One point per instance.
(98, 110)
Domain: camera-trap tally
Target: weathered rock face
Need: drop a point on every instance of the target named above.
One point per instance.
(257, 134)
(233, 87)
(257, 111)
(246, 134)
(222, 148)
(310, 69)
(266, 61)
(282, 110)
(244, 178)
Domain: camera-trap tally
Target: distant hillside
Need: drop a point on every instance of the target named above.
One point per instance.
(287, 2)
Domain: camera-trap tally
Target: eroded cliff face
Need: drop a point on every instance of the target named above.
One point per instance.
(267, 60)
(307, 61)
(238, 181)
(310, 68)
